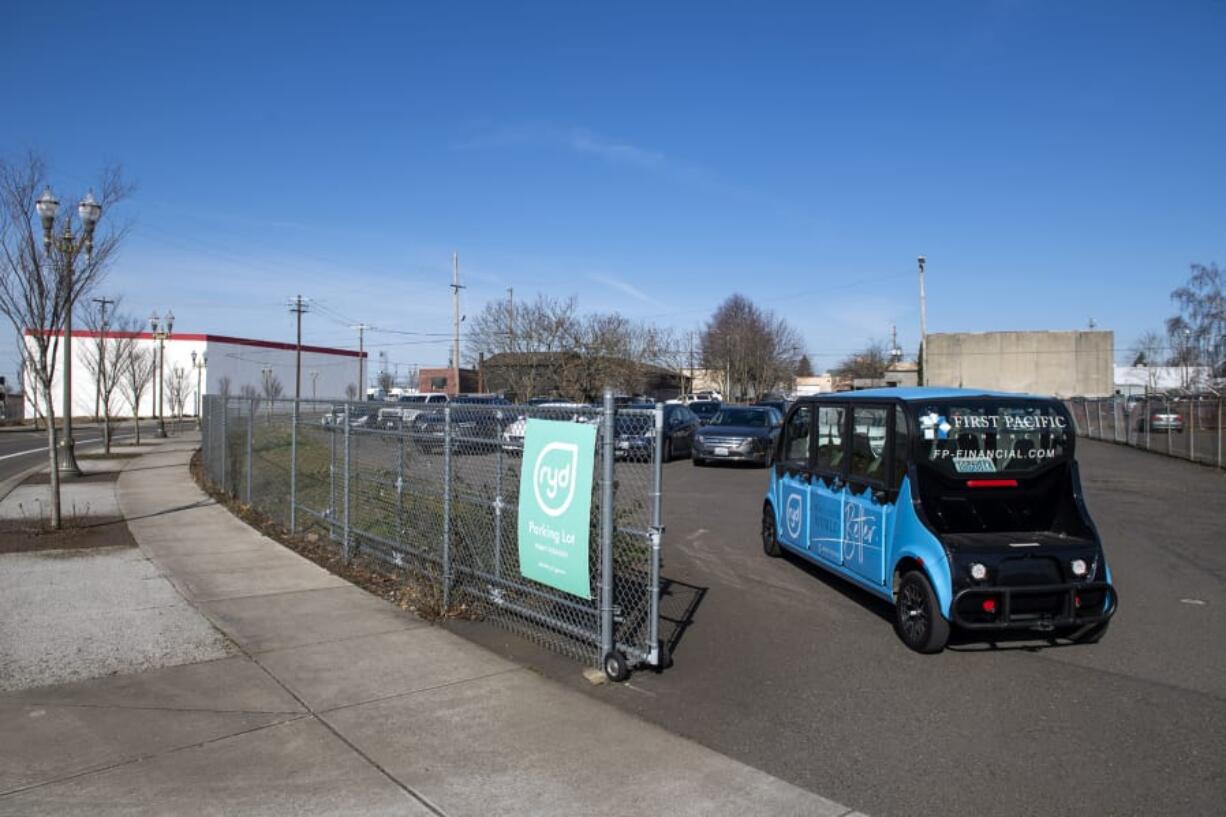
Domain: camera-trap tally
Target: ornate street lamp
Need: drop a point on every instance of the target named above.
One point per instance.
(161, 330)
(198, 364)
(68, 248)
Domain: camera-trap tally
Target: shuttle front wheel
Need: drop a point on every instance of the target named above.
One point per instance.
(918, 620)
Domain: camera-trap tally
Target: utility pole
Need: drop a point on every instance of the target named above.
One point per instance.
(455, 319)
(103, 303)
(361, 327)
(895, 349)
(923, 323)
(511, 318)
(298, 305)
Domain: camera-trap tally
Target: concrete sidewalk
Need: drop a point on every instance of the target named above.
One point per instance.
(336, 703)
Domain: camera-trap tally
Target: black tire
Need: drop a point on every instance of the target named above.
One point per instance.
(768, 458)
(917, 617)
(699, 462)
(667, 454)
(616, 667)
(770, 537)
(1089, 634)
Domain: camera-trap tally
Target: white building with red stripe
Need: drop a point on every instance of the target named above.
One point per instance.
(229, 365)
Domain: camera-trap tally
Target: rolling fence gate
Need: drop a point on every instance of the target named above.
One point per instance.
(435, 494)
(1190, 428)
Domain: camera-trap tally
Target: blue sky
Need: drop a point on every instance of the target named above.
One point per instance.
(1054, 161)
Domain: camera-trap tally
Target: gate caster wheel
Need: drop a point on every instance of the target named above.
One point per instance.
(615, 667)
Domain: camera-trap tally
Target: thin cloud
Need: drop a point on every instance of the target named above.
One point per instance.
(576, 140)
(625, 288)
(583, 141)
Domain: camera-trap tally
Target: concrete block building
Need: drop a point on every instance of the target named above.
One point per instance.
(327, 373)
(1076, 363)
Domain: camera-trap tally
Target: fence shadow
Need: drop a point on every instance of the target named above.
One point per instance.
(679, 601)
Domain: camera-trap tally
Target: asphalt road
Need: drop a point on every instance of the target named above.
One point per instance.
(801, 675)
(26, 448)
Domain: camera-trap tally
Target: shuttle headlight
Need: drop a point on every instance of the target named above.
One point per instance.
(979, 571)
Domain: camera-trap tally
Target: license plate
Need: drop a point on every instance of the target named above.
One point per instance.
(720, 451)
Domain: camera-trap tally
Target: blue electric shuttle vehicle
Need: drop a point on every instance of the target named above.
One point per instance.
(962, 508)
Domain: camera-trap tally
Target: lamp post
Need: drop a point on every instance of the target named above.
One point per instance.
(161, 330)
(68, 248)
(198, 364)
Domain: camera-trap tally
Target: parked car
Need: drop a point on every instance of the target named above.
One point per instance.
(738, 433)
(1162, 420)
(705, 409)
(970, 516)
(635, 436)
(513, 433)
(686, 399)
(778, 403)
(477, 423)
(359, 416)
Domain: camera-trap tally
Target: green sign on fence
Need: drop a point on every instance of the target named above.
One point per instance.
(555, 504)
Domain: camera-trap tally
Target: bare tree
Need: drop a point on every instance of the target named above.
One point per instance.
(868, 363)
(224, 386)
(271, 386)
(386, 381)
(111, 338)
(136, 370)
(538, 330)
(252, 394)
(804, 367)
(1197, 333)
(351, 392)
(756, 349)
(36, 287)
(1148, 351)
(178, 389)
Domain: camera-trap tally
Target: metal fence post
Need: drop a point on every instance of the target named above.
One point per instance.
(1098, 409)
(498, 505)
(606, 526)
(1166, 407)
(225, 440)
(1149, 415)
(250, 446)
(400, 489)
(293, 469)
(446, 508)
(657, 533)
(345, 530)
(1219, 432)
(1193, 410)
(332, 474)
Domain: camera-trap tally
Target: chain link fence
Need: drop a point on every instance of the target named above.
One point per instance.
(1190, 428)
(435, 493)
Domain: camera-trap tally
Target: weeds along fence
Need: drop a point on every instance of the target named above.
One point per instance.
(435, 493)
(1190, 428)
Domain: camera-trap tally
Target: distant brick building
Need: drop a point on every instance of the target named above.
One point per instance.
(444, 379)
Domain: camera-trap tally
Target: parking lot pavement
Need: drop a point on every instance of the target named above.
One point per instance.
(801, 675)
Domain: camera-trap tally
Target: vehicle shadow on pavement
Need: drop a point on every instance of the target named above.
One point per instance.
(868, 601)
(1022, 641)
(679, 602)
